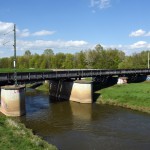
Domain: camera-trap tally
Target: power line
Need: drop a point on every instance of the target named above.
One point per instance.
(8, 32)
(4, 35)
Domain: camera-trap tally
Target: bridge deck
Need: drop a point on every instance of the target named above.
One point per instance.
(78, 73)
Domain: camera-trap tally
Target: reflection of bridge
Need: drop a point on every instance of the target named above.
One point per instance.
(65, 74)
(63, 84)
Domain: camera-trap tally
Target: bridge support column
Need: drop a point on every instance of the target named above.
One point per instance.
(148, 78)
(82, 92)
(13, 100)
(122, 80)
(78, 91)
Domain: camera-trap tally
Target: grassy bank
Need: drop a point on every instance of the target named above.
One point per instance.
(15, 136)
(44, 87)
(135, 96)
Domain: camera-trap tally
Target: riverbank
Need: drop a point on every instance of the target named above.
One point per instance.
(44, 87)
(135, 96)
(14, 135)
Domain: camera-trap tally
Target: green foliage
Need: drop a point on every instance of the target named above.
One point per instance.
(79, 60)
(137, 60)
(44, 87)
(27, 53)
(68, 62)
(48, 52)
(97, 58)
(59, 59)
(103, 59)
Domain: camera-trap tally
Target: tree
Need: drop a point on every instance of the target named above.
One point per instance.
(79, 60)
(69, 61)
(127, 63)
(114, 58)
(59, 59)
(48, 52)
(43, 64)
(136, 61)
(27, 53)
(98, 47)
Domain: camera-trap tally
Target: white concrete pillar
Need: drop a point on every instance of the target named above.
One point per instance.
(122, 80)
(148, 78)
(78, 91)
(13, 100)
(82, 92)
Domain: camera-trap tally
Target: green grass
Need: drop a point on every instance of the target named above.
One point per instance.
(44, 87)
(15, 136)
(135, 96)
(9, 70)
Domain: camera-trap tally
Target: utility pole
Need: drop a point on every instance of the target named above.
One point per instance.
(15, 72)
(148, 59)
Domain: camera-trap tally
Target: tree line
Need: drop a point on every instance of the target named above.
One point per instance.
(96, 58)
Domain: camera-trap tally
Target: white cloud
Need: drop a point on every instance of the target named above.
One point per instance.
(27, 33)
(139, 44)
(137, 33)
(6, 41)
(104, 4)
(136, 47)
(23, 33)
(41, 44)
(43, 33)
(100, 3)
(5, 27)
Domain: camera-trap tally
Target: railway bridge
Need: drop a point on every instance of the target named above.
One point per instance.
(63, 84)
(23, 77)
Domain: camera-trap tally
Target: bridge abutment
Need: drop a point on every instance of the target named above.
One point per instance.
(78, 91)
(13, 100)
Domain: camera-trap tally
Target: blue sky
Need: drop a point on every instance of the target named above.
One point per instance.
(72, 25)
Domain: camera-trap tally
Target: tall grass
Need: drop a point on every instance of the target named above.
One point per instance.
(14, 136)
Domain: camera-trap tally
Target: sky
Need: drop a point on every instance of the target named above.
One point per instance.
(70, 26)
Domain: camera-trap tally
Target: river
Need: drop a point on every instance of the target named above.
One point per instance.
(75, 126)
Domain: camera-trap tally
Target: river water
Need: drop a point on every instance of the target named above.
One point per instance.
(74, 126)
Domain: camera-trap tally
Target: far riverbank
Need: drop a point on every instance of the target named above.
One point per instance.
(134, 96)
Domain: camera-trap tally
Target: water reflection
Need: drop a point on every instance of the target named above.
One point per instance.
(81, 111)
(71, 125)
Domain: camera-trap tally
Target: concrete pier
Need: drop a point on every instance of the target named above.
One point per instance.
(13, 100)
(82, 92)
(78, 91)
(122, 80)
